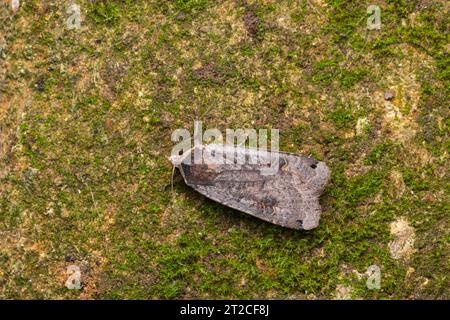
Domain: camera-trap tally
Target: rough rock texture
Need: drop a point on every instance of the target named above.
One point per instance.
(288, 197)
(342, 292)
(402, 246)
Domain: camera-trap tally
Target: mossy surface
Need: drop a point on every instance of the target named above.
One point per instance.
(86, 118)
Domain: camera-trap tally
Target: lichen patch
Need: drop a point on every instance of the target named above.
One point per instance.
(402, 246)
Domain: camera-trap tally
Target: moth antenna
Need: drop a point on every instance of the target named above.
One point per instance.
(173, 174)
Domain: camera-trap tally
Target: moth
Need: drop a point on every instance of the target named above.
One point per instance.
(277, 187)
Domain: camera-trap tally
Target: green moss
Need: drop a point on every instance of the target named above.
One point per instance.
(190, 6)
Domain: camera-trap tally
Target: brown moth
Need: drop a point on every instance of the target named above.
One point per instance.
(277, 187)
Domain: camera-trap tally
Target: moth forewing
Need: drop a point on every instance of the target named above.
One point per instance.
(280, 188)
